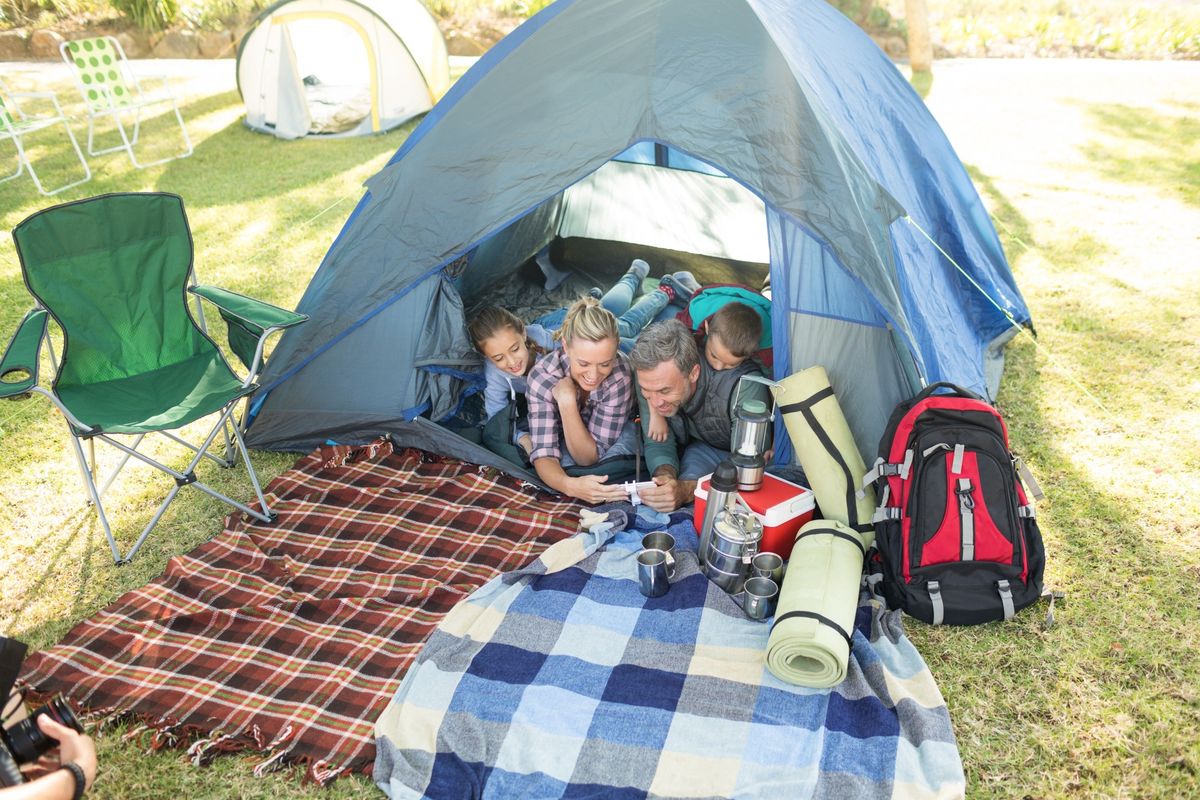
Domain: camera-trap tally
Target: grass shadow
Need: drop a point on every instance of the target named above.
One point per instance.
(237, 164)
(1161, 151)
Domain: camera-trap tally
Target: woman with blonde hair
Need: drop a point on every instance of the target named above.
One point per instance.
(580, 397)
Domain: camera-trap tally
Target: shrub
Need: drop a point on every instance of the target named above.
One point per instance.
(149, 15)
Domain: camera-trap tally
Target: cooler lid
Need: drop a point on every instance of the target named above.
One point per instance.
(776, 502)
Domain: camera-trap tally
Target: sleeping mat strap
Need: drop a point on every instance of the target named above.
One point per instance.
(826, 621)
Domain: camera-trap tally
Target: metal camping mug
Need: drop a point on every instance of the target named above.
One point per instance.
(654, 574)
(758, 598)
(661, 540)
(767, 565)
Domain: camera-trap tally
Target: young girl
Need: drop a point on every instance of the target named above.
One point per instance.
(510, 349)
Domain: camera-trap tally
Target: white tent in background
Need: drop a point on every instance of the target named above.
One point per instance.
(340, 67)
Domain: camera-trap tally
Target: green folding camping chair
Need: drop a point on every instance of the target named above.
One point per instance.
(16, 123)
(114, 273)
(111, 89)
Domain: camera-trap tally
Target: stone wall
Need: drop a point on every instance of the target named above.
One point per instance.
(42, 45)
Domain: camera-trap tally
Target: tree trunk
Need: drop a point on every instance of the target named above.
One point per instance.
(920, 49)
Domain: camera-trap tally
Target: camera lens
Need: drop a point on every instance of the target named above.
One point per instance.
(10, 773)
(26, 741)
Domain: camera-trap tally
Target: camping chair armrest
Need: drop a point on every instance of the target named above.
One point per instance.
(21, 356)
(24, 112)
(145, 85)
(247, 309)
(250, 322)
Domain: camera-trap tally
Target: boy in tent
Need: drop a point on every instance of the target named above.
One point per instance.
(732, 334)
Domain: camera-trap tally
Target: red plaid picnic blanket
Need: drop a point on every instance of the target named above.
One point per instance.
(291, 638)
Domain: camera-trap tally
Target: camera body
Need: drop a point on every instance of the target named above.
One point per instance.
(24, 742)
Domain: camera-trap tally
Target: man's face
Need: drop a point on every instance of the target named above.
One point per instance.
(666, 388)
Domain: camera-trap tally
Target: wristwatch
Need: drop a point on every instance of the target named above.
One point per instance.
(80, 779)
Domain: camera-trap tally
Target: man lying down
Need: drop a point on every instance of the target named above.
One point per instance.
(563, 401)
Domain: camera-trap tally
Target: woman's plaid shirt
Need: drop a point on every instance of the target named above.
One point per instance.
(605, 411)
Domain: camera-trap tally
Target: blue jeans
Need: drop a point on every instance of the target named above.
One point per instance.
(699, 459)
(631, 317)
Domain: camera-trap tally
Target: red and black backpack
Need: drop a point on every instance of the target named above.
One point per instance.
(958, 542)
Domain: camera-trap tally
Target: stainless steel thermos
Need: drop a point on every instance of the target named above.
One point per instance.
(722, 493)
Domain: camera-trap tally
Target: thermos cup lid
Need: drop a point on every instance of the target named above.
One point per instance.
(755, 407)
(724, 477)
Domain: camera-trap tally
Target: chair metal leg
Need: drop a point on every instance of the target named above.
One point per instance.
(229, 455)
(137, 122)
(91, 148)
(267, 515)
(20, 163)
(225, 425)
(162, 508)
(124, 460)
(115, 113)
(222, 462)
(23, 161)
(95, 497)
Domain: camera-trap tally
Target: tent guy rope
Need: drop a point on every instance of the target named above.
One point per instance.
(1020, 328)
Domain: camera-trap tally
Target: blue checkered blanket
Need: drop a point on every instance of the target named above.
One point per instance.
(562, 680)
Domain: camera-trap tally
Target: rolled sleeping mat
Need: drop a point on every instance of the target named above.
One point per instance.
(809, 643)
(825, 447)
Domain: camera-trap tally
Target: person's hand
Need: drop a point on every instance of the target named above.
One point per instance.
(72, 746)
(594, 489)
(565, 391)
(526, 442)
(657, 429)
(661, 496)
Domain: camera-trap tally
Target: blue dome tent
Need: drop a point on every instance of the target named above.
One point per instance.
(785, 97)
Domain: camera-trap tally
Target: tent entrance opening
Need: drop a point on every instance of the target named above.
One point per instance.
(335, 63)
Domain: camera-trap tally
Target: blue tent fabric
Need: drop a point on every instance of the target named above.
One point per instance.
(906, 151)
(787, 97)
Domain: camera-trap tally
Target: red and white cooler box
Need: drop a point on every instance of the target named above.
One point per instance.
(781, 506)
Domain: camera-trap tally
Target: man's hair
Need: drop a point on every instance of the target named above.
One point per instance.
(738, 326)
(665, 341)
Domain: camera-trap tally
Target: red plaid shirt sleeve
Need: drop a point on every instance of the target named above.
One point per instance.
(543, 411)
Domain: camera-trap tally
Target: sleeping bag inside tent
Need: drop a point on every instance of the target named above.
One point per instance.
(340, 67)
(752, 137)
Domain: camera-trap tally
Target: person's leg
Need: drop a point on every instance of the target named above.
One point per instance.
(552, 320)
(680, 286)
(631, 323)
(619, 298)
(699, 459)
(668, 312)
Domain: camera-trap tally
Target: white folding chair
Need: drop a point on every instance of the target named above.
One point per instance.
(16, 123)
(110, 89)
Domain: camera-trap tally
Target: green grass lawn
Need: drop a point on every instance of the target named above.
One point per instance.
(1092, 172)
